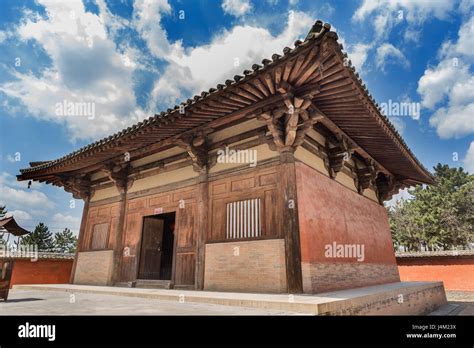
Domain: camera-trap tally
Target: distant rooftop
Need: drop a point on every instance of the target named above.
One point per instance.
(39, 255)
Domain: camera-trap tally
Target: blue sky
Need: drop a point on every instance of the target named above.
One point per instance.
(135, 58)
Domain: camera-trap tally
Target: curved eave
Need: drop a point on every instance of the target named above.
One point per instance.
(342, 97)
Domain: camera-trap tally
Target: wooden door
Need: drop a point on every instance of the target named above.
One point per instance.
(151, 249)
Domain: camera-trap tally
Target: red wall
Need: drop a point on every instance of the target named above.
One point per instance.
(457, 274)
(41, 272)
(330, 212)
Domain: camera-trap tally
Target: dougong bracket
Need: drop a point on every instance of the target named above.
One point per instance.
(365, 177)
(196, 147)
(337, 154)
(78, 185)
(119, 174)
(289, 124)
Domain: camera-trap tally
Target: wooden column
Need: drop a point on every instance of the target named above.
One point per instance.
(118, 243)
(80, 241)
(290, 223)
(203, 223)
(118, 174)
(197, 149)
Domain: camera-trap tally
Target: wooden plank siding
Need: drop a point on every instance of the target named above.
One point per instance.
(260, 184)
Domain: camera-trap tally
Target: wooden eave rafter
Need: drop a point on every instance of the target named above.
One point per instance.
(316, 67)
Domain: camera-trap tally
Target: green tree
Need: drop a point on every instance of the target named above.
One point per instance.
(41, 237)
(438, 217)
(3, 211)
(65, 241)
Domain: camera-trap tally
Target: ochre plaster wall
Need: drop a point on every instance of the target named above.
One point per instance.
(329, 212)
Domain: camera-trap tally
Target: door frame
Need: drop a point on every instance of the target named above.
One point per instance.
(173, 256)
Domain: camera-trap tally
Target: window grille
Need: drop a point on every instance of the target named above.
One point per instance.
(243, 219)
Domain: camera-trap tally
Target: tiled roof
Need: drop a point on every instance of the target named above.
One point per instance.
(39, 255)
(439, 253)
(318, 30)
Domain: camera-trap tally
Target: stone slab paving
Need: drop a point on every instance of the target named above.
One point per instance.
(40, 302)
(464, 299)
(121, 300)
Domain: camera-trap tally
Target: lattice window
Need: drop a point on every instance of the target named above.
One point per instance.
(100, 236)
(243, 219)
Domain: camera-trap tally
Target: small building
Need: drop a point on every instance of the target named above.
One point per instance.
(273, 181)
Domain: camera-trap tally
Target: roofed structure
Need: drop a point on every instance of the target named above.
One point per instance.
(164, 205)
(315, 68)
(9, 225)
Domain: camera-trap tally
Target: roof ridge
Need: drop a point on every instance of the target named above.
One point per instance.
(318, 29)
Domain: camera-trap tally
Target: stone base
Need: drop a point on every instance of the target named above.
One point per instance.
(250, 266)
(400, 298)
(94, 267)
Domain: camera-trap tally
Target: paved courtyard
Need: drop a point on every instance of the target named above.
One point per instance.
(464, 299)
(56, 302)
(37, 302)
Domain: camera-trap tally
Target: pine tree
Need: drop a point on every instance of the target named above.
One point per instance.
(440, 216)
(65, 241)
(3, 211)
(41, 237)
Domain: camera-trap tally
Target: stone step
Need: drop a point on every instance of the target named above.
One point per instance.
(152, 284)
(418, 298)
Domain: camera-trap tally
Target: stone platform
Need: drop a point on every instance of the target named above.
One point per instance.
(401, 298)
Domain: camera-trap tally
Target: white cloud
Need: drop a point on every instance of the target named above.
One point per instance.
(438, 82)
(228, 54)
(358, 55)
(412, 36)
(66, 221)
(466, 5)
(468, 161)
(10, 180)
(18, 198)
(389, 13)
(19, 215)
(465, 43)
(389, 54)
(86, 67)
(236, 8)
(454, 121)
(451, 83)
(11, 159)
(146, 20)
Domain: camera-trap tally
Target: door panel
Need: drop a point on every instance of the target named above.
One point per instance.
(151, 249)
